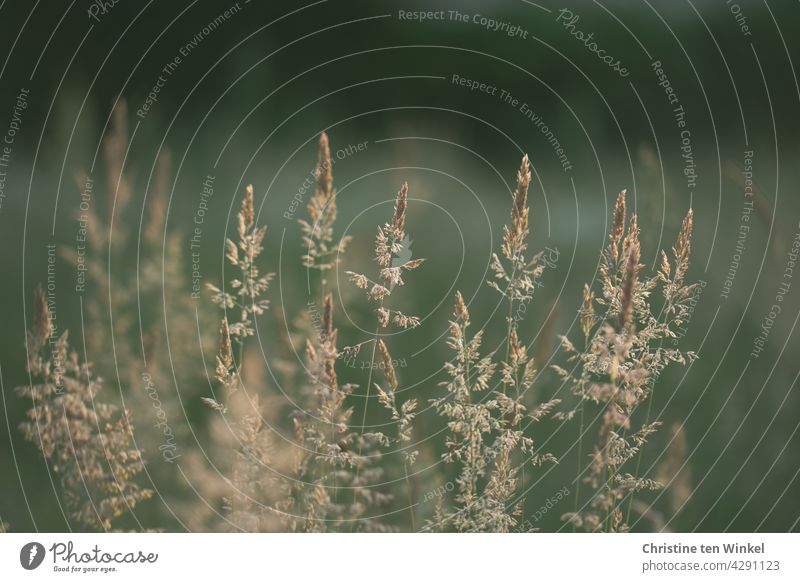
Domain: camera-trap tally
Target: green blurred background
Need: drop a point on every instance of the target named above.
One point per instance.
(246, 104)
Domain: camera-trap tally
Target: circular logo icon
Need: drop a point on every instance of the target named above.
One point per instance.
(31, 555)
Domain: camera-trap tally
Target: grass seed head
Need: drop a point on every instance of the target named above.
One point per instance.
(461, 311)
(248, 211)
(619, 218)
(400, 205)
(519, 213)
(388, 367)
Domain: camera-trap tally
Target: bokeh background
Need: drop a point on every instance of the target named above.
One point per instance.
(246, 102)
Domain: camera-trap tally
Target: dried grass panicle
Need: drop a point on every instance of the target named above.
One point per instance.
(337, 468)
(393, 256)
(330, 457)
(388, 366)
(618, 228)
(225, 371)
(133, 291)
(328, 340)
(254, 491)
(88, 443)
(487, 438)
(461, 313)
(327, 317)
(322, 253)
(622, 362)
(251, 498)
(340, 477)
(246, 289)
(404, 415)
(514, 274)
(399, 216)
(630, 279)
(392, 253)
(469, 423)
(247, 216)
(675, 291)
(484, 432)
(588, 316)
(519, 212)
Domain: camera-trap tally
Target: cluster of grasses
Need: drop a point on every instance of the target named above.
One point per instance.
(337, 474)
